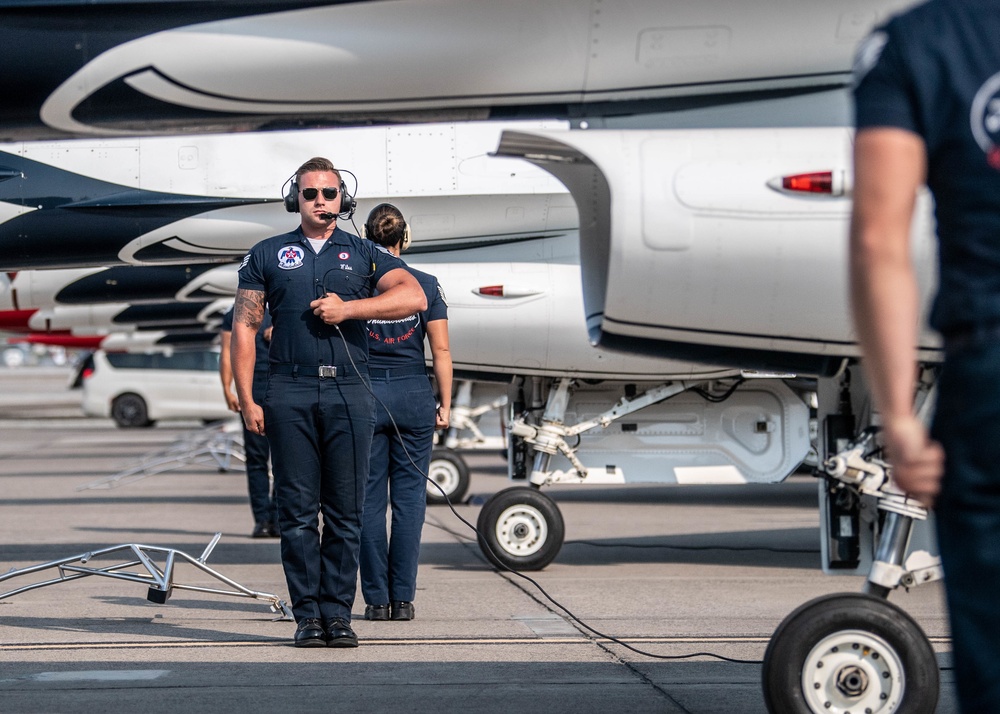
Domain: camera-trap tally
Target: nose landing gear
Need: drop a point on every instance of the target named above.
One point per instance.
(857, 653)
(850, 653)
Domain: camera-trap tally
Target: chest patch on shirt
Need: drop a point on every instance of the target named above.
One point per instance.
(290, 257)
(344, 255)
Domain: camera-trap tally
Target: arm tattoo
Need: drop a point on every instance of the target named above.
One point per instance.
(249, 308)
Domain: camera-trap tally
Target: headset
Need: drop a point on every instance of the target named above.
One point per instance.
(367, 231)
(291, 198)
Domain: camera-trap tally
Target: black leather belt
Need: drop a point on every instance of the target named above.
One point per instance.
(323, 371)
(387, 373)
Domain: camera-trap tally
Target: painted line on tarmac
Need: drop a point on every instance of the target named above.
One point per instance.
(283, 643)
(400, 642)
(375, 642)
(371, 641)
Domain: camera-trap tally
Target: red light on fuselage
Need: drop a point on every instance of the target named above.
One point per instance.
(819, 182)
(814, 183)
(491, 290)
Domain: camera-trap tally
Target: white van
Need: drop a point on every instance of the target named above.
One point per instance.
(138, 389)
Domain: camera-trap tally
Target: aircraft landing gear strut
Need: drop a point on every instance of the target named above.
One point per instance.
(857, 652)
(521, 528)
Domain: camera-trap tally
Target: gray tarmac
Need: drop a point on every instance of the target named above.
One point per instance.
(670, 570)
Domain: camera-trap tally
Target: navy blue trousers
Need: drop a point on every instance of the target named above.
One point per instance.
(258, 454)
(320, 432)
(389, 564)
(259, 477)
(967, 423)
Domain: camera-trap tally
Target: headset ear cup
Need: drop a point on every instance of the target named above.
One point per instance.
(347, 202)
(292, 197)
(407, 236)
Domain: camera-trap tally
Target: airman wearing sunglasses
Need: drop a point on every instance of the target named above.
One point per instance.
(320, 284)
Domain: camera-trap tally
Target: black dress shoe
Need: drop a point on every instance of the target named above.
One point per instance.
(310, 633)
(401, 610)
(272, 530)
(377, 612)
(262, 530)
(340, 634)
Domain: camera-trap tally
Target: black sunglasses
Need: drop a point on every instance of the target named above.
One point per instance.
(310, 194)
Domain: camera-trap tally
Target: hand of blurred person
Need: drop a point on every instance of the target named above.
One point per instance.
(917, 460)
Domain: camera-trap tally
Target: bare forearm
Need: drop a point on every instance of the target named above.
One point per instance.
(225, 361)
(889, 168)
(885, 304)
(399, 296)
(226, 370)
(437, 332)
(396, 303)
(249, 312)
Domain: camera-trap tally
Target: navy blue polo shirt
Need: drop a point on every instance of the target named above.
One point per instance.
(935, 71)
(292, 275)
(398, 343)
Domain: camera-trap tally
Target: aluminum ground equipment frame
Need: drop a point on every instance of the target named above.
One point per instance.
(159, 577)
(219, 445)
(857, 652)
(735, 429)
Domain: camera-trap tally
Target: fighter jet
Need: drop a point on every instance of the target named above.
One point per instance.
(730, 278)
(117, 68)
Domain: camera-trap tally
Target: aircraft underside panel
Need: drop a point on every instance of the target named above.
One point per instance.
(688, 251)
(758, 434)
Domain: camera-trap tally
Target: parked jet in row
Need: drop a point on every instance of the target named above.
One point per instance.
(208, 198)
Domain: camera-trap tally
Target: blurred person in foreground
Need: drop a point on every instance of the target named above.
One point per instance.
(927, 93)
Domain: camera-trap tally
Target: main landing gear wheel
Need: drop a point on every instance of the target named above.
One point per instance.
(850, 653)
(521, 529)
(449, 471)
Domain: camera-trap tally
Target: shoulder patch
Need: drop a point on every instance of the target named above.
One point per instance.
(985, 119)
(441, 293)
(867, 54)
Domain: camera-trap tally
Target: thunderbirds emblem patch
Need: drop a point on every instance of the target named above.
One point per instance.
(290, 257)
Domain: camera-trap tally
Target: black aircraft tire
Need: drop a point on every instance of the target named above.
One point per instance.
(449, 471)
(521, 529)
(850, 652)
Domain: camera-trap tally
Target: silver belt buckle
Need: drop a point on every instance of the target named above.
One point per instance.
(327, 370)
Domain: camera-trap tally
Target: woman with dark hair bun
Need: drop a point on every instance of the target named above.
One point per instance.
(399, 379)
